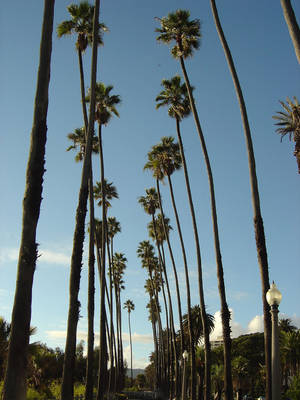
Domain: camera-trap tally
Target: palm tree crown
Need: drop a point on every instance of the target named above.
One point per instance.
(110, 193)
(174, 95)
(164, 158)
(78, 138)
(105, 103)
(177, 27)
(289, 123)
(129, 306)
(150, 202)
(81, 23)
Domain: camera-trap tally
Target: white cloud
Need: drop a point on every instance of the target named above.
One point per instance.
(138, 338)
(51, 257)
(236, 328)
(45, 256)
(136, 362)
(9, 254)
(256, 324)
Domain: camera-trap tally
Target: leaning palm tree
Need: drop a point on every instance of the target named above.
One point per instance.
(178, 28)
(76, 260)
(15, 376)
(175, 97)
(292, 25)
(289, 124)
(129, 306)
(257, 217)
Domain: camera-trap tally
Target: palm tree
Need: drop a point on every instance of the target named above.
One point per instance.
(257, 217)
(289, 123)
(129, 306)
(292, 25)
(104, 108)
(15, 376)
(186, 34)
(113, 227)
(145, 251)
(79, 141)
(76, 260)
(163, 160)
(118, 267)
(110, 193)
(81, 23)
(174, 95)
(78, 138)
(159, 232)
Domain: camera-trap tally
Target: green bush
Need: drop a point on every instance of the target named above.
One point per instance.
(294, 390)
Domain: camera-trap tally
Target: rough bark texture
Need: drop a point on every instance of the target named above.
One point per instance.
(15, 377)
(258, 222)
(78, 239)
(292, 25)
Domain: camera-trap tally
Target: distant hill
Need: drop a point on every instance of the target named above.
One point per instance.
(135, 372)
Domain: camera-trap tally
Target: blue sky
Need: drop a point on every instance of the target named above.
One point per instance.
(134, 63)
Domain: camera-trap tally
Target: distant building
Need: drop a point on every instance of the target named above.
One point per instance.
(216, 343)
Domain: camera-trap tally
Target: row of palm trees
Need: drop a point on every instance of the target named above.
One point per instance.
(175, 28)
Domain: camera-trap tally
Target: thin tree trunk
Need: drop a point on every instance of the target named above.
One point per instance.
(292, 25)
(200, 282)
(225, 313)
(185, 268)
(174, 271)
(130, 347)
(78, 239)
(91, 299)
(91, 279)
(15, 377)
(102, 377)
(258, 221)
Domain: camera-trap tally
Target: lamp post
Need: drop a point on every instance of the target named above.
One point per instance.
(185, 357)
(274, 296)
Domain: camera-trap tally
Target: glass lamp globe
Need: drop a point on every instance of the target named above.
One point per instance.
(273, 295)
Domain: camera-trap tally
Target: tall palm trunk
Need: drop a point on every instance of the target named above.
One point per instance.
(91, 263)
(292, 25)
(258, 221)
(78, 239)
(131, 376)
(102, 377)
(91, 299)
(225, 313)
(174, 270)
(15, 377)
(187, 281)
(200, 282)
(177, 293)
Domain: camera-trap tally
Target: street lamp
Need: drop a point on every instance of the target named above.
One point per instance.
(274, 297)
(185, 357)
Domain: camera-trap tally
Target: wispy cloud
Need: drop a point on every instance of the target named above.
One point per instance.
(138, 338)
(52, 257)
(45, 256)
(8, 254)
